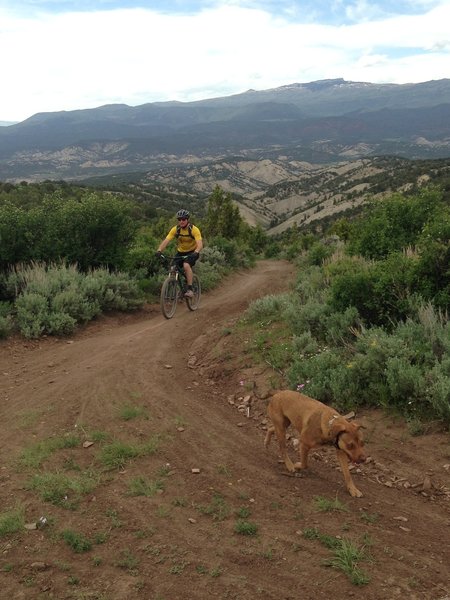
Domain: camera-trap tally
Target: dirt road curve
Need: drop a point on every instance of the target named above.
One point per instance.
(237, 529)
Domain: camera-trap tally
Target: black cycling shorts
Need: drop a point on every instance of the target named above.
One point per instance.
(191, 257)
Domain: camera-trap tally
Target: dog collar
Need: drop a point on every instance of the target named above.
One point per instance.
(336, 441)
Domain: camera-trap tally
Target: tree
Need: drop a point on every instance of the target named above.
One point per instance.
(394, 223)
(222, 218)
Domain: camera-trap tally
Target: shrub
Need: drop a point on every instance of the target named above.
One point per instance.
(6, 326)
(316, 370)
(439, 390)
(318, 253)
(310, 316)
(32, 314)
(6, 319)
(268, 306)
(55, 298)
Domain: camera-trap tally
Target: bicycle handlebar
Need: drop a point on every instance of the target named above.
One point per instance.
(165, 257)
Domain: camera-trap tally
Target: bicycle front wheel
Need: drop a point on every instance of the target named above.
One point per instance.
(192, 303)
(169, 297)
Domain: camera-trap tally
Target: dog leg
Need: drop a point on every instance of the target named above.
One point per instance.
(303, 452)
(268, 437)
(280, 432)
(343, 461)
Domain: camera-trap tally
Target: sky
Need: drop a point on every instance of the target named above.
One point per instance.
(76, 54)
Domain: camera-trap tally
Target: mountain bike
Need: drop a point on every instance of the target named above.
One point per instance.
(175, 286)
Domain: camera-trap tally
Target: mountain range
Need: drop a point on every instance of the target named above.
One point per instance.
(321, 122)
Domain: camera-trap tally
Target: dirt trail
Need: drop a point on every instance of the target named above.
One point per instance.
(183, 377)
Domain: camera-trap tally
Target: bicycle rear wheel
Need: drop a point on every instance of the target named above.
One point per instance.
(192, 303)
(169, 297)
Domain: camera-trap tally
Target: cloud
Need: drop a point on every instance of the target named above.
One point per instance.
(70, 60)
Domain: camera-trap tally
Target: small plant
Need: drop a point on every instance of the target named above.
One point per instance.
(224, 470)
(12, 521)
(113, 515)
(201, 569)
(179, 502)
(345, 559)
(70, 464)
(415, 427)
(216, 572)
(96, 561)
(139, 486)
(326, 505)
(129, 412)
(116, 454)
(98, 436)
(34, 455)
(127, 560)
(217, 508)
(180, 421)
(243, 496)
(77, 541)
(163, 511)
(61, 490)
(345, 555)
(328, 541)
(268, 554)
(100, 537)
(163, 471)
(243, 512)
(245, 527)
(177, 569)
(370, 518)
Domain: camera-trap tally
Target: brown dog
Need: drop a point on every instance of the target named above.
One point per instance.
(317, 425)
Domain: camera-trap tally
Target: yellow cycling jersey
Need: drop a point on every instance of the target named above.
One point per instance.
(186, 241)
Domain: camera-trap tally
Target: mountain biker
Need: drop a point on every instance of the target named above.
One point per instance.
(189, 245)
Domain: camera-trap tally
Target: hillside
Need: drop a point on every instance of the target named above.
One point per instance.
(320, 122)
(180, 533)
(278, 193)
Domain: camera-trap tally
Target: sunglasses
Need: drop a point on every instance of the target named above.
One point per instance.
(182, 219)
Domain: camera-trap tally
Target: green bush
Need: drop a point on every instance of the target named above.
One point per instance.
(60, 324)
(439, 390)
(32, 314)
(394, 223)
(211, 267)
(6, 319)
(310, 316)
(6, 326)
(314, 373)
(319, 252)
(268, 306)
(55, 298)
(311, 283)
(380, 291)
(305, 345)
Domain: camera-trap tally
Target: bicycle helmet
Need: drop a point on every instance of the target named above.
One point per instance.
(183, 214)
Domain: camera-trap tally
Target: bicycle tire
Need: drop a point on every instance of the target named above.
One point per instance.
(169, 297)
(192, 303)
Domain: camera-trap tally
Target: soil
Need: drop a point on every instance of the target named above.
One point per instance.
(222, 518)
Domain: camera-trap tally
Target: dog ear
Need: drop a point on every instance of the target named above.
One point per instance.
(350, 415)
(359, 425)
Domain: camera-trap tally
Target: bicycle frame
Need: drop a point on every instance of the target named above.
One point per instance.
(175, 285)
